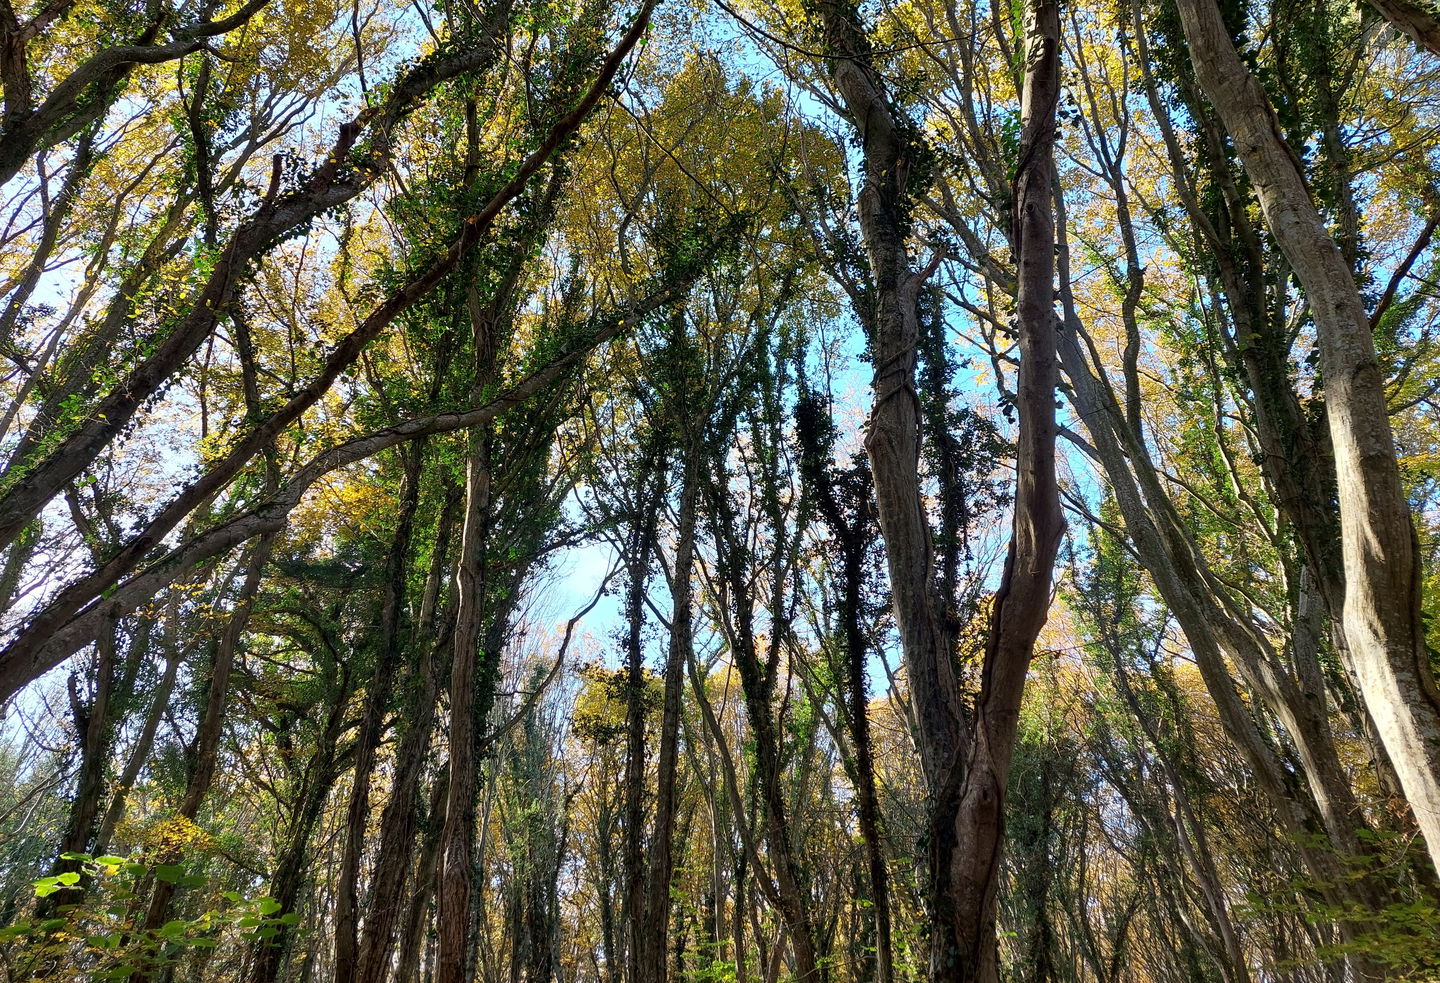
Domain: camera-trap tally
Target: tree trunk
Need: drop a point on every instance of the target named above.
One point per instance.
(1417, 21)
(653, 964)
(1022, 601)
(413, 936)
(205, 757)
(377, 700)
(140, 753)
(1378, 541)
(401, 818)
(1189, 589)
(966, 774)
(639, 552)
(892, 443)
(757, 683)
(290, 869)
(853, 534)
(95, 726)
(457, 841)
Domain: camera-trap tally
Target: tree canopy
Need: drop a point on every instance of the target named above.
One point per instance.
(735, 492)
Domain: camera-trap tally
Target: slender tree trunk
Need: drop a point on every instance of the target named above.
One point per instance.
(639, 551)
(454, 886)
(377, 701)
(1183, 580)
(398, 825)
(413, 938)
(140, 753)
(1022, 601)
(757, 680)
(1215, 626)
(95, 726)
(206, 752)
(782, 891)
(401, 818)
(1189, 834)
(290, 867)
(654, 966)
(853, 535)
(866, 792)
(457, 841)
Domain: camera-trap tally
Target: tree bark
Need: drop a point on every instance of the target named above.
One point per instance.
(290, 873)
(1378, 541)
(1184, 582)
(206, 750)
(140, 753)
(639, 555)
(1022, 601)
(1416, 20)
(400, 820)
(757, 662)
(892, 443)
(654, 967)
(377, 700)
(965, 772)
(853, 534)
(457, 840)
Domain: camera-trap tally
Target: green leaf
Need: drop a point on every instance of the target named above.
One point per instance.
(174, 928)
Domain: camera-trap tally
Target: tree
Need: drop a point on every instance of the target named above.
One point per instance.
(515, 491)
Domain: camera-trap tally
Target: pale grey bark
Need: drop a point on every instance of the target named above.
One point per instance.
(1381, 556)
(1417, 20)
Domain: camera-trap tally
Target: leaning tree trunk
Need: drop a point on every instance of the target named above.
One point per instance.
(401, 818)
(1416, 19)
(1381, 553)
(206, 749)
(288, 883)
(95, 724)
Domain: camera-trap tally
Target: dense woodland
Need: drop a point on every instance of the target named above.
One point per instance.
(745, 491)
